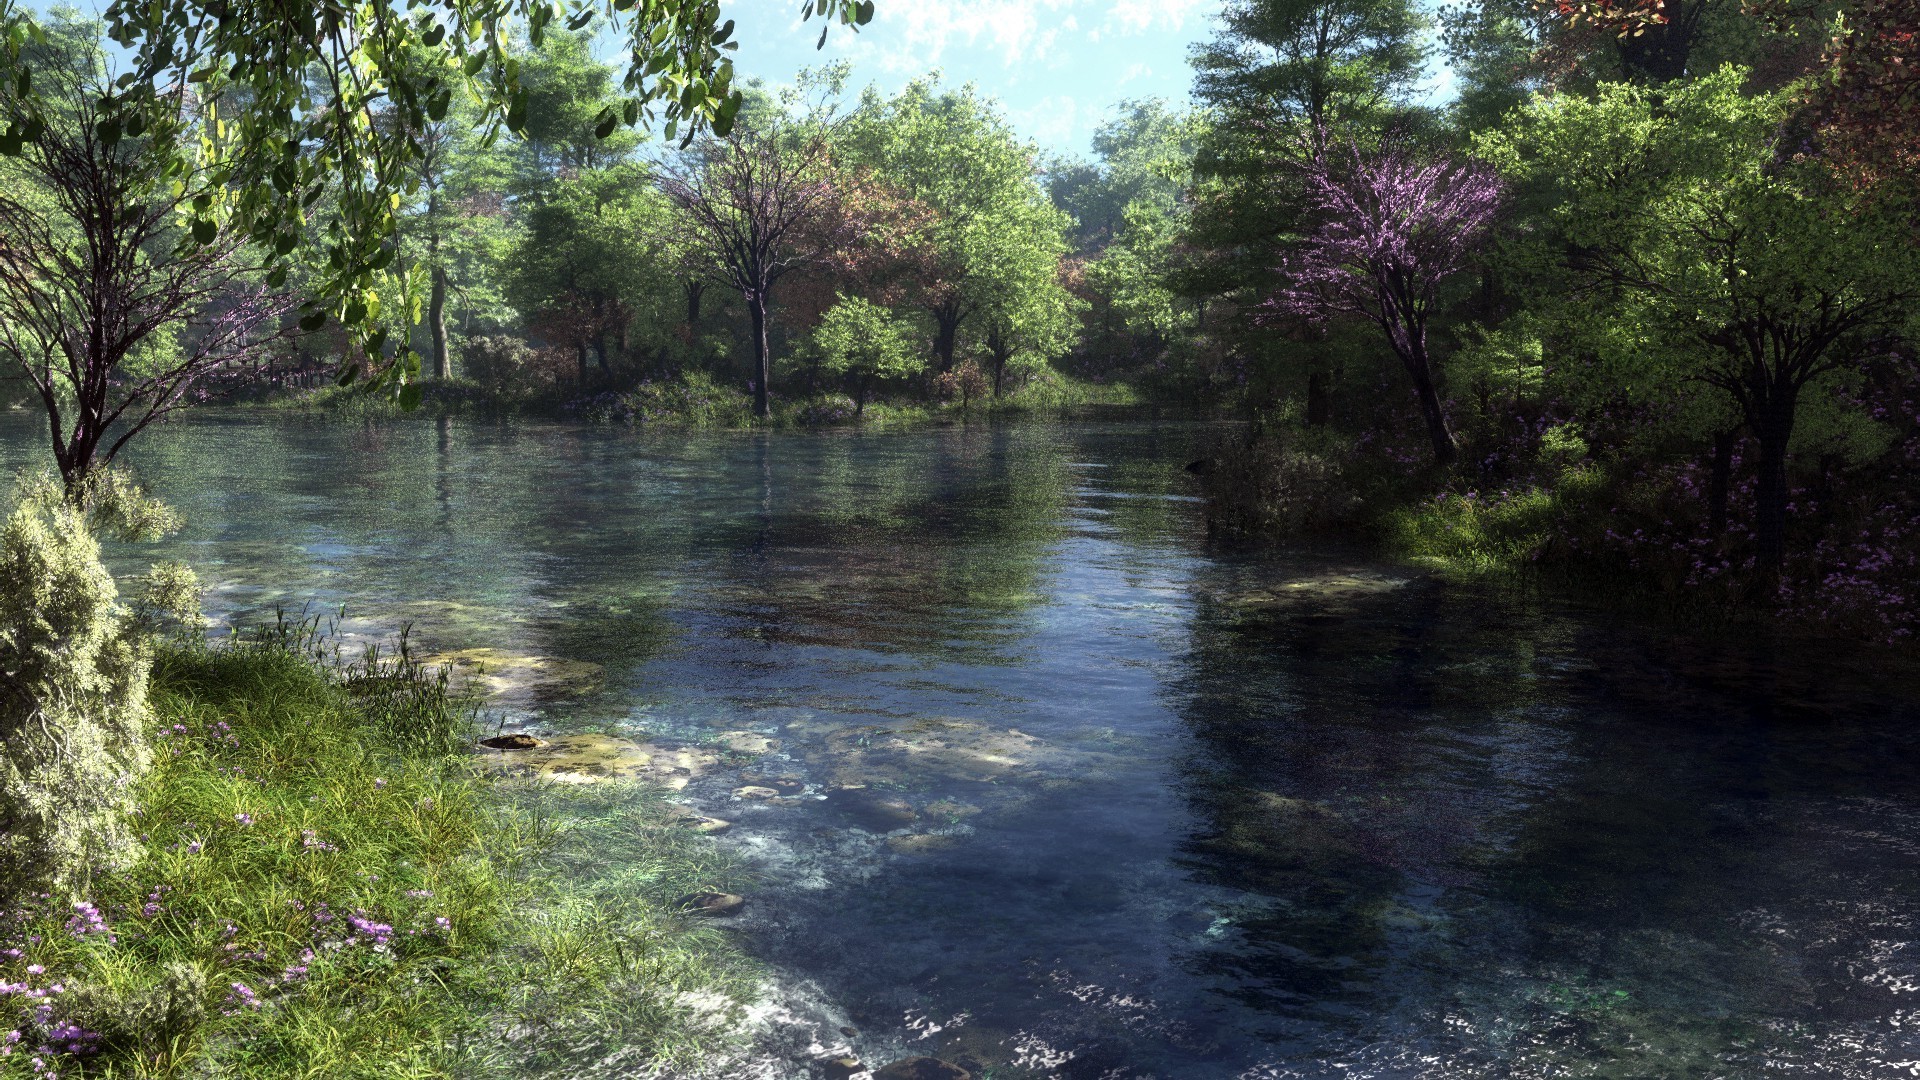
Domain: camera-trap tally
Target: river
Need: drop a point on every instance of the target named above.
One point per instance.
(1053, 787)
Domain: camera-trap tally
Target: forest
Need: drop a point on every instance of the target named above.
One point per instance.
(732, 448)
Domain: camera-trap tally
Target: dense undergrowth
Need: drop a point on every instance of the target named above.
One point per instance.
(328, 889)
(1580, 501)
(696, 399)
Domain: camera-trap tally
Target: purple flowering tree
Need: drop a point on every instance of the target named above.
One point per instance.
(1393, 225)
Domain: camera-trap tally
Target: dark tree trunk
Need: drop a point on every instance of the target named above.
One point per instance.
(694, 290)
(1772, 430)
(580, 358)
(1661, 52)
(762, 357)
(1319, 399)
(1719, 482)
(600, 349)
(437, 323)
(946, 319)
(860, 395)
(1438, 433)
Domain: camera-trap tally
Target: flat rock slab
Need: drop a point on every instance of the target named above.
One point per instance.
(501, 674)
(590, 759)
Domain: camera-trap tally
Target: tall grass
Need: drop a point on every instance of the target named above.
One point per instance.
(329, 890)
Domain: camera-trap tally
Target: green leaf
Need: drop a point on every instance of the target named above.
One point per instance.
(473, 63)
(108, 130)
(313, 321)
(276, 277)
(204, 231)
(608, 121)
(517, 112)
(10, 143)
(432, 38)
(410, 397)
(863, 12)
(355, 314)
(346, 377)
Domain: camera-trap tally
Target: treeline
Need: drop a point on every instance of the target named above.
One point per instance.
(1638, 303)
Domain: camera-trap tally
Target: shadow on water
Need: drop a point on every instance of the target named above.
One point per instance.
(1037, 781)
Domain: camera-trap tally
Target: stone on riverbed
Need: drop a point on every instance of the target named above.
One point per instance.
(712, 904)
(755, 791)
(505, 675)
(747, 742)
(841, 1068)
(875, 813)
(922, 1068)
(589, 759)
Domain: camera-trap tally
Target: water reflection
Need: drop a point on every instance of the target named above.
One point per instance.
(1048, 787)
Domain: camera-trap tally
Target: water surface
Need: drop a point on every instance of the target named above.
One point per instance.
(1065, 791)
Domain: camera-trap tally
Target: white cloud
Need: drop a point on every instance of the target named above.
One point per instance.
(1134, 71)
(1140, 16)
(1052, 121)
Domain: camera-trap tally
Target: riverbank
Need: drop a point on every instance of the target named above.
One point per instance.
(1656, 541)
(329, 888)
(697, 400)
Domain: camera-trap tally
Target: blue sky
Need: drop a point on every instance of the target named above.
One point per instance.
(1056, 65)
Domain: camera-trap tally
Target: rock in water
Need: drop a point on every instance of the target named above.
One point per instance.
(841, 1068)
(922, 1068)
(712, 904)
(876, 814)
(515, 741)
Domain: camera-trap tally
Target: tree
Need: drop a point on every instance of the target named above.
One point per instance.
(125, 276)
(864, 342)
(1392, 225)
(303, 86)
(1762, 277)
(591, 259)
(1314, 63)
(762, 205)
(988, 221)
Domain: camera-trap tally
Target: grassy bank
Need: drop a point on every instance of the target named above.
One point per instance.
(328, 889)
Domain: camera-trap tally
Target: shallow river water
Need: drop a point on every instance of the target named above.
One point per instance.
(1050, 787)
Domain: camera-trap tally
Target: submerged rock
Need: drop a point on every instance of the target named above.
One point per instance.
(755, 791)
(919, 843)
(712, 904)
(502, 674)
(516, 741)
(588, 759)
(747, 742)
(841, 1068)
(922, 1068)
(875, 813)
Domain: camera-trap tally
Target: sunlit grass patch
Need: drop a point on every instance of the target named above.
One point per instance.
(327, 890)
(1488, 531)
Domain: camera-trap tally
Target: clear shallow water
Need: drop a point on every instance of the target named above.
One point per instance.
(1168, 812)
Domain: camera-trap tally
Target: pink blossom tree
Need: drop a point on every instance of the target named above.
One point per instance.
(1392, 226)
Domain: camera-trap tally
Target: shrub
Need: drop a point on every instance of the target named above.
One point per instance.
(74, 664)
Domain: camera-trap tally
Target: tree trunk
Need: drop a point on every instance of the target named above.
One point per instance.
(1772, 432)
(762, 358)
(600, 348)
(860, 395)
(1719, 482)
(437, 323)
(694, 289)
(946, 320)
(580, 357)
(1319, 399)
(1438, 433)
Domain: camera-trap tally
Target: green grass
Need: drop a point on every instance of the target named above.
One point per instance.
(329, 890)
(1490, 534)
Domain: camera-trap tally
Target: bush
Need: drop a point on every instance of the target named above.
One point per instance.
(1269, 486)
(74, 713)
(500, 364)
